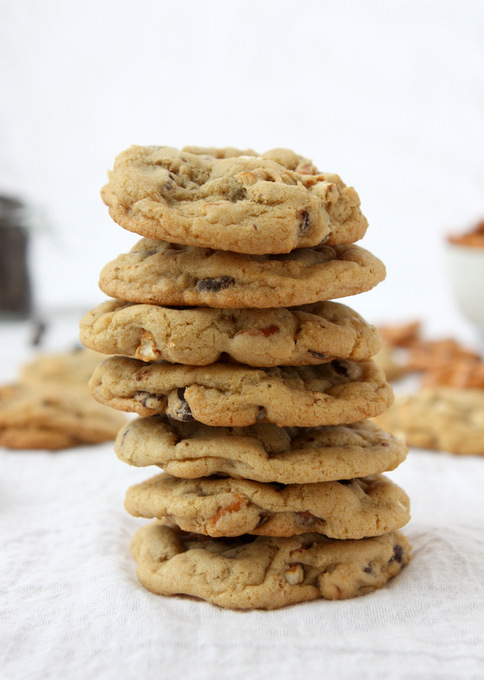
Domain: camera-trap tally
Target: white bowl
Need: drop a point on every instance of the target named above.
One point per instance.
(465, 266)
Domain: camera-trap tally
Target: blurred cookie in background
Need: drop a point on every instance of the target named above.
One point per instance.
(71, 369)
(441, 419)
(443, 408)
(50, 407)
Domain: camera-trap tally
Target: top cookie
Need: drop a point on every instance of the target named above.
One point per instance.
(231, 200)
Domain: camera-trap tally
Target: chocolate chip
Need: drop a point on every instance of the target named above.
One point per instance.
(397, 554)
(263, 518)
(277, 486)
(214, 285)
(124, 435)
(340, 367)
(237, 194)
(144, 397)
(305, 221)
(261, 414)
(183, 412)
(318, 355)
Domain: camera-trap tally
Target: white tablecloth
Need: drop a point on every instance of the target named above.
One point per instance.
(71, 607)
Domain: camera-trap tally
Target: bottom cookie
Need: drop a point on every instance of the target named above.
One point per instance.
(264, 572)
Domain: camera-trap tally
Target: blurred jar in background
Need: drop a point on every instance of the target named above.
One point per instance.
(15, 287)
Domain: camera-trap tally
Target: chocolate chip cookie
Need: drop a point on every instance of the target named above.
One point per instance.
(336, 392)
(53, 418)
(64, 369)
(444, 419)
(161, 273)
(262, 452)
(308, 335)
(264, 572)
(231, 200)
(357, 508)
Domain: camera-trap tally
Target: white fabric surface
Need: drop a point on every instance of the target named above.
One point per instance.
(72, 608)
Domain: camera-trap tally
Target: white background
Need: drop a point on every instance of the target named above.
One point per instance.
(390, 95)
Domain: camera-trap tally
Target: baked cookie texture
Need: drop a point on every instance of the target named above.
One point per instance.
(254, 389)
(448, 419)
(53, 418)
(234, 395)
(72, 369)
(313, 334)
(158, 272)
(262, 452)
(357, 508)
(50, 407)
(231, 200)
(264, 572)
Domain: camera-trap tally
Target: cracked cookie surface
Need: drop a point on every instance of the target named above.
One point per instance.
(262, 452)
(446, 419)
(351, 509)
(158, 272)
(233, 395)
(264, 572)
(231, 200)
(313, 334)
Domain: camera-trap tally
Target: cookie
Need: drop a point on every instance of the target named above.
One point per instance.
(52, 417)
(63, 369)
(357, 508)
(444, 419)
(233, 395)
(157, 272)
(274, 337)
(264, 572)
(231, 200)
(262, 452)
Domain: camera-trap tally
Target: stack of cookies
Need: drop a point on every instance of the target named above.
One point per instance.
(253, 389)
